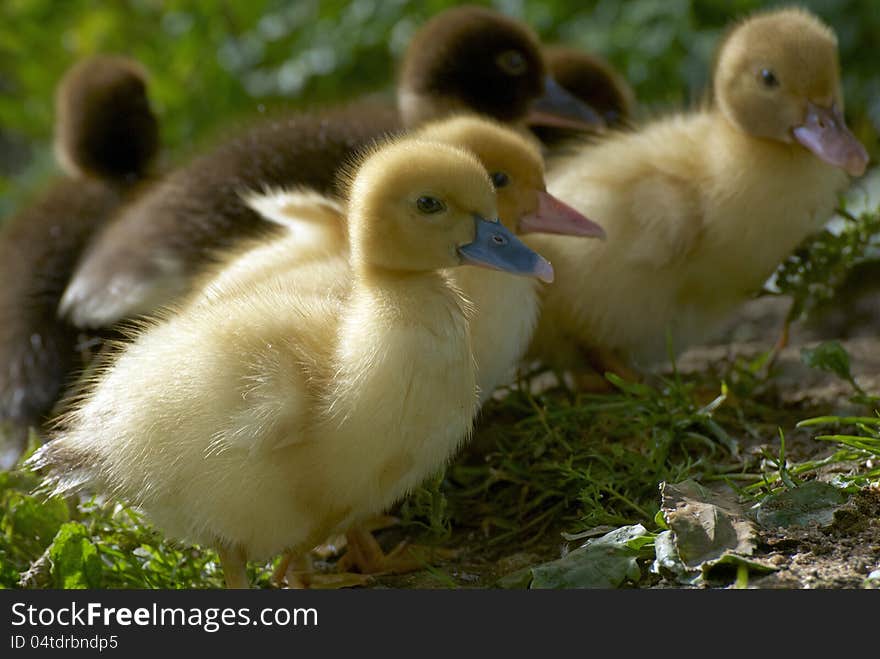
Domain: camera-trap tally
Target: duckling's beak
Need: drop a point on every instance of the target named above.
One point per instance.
(555, 216)
(497, 248)
(559, 108)
(825, 133)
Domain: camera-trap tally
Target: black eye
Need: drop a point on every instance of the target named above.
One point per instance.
(512, 62)
(769, 78)
(500, 179)
(429, 205)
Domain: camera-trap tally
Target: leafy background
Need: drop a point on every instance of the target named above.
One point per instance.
(213, 62)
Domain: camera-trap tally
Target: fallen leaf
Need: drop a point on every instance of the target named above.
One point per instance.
(813, 502)
(606, 562)
(706, 524)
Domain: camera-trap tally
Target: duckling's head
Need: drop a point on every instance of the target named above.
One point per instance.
(592, 80)
(104, 124)
(777, 76)
(474, 59)
(415, 205)
(516, 170)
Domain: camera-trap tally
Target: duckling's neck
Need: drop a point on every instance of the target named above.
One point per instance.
(405, 290)
(404, 393)
(772, 194)
(505, 315)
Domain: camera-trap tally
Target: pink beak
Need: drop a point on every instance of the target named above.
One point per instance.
(554, 216)
(824, 132)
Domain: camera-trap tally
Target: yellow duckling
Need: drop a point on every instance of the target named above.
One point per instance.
(313, 255)
(701, 208)
(269, 420)
(506, 307)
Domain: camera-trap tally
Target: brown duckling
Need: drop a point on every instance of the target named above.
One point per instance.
(475, 60)
(465, 58)
(106, 140)
(104, 125)
(594, 81)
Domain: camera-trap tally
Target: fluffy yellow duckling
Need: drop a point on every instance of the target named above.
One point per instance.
(506, 307)
(701, 208)
(269, 420)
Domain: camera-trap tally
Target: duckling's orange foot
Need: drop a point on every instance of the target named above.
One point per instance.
(591, 382)
(337, 544)
(602, 361)
(329, 581)
(297, 572)
(366, 556)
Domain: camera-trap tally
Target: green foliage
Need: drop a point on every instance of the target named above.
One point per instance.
(427, 507)
(27, 524)
(859, 446)
(212, 63)
(87, 544)
(812, 274)
(606, 562)
(75, 562)
(830, 357)
(584, 460)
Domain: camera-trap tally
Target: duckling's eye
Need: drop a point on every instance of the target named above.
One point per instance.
(512, 62)
(500, 180)
(769, 78)
(430, 205)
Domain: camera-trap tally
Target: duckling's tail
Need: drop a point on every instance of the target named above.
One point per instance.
(67, 469)
(104, 124)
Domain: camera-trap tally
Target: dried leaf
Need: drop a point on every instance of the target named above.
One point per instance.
(706, 525)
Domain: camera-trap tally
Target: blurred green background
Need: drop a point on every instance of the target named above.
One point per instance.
(216, 61)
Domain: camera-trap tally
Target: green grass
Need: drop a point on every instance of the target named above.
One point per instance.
(538, 465)
(58, 543)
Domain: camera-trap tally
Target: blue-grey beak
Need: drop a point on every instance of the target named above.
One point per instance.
(497, 248)
(559, 108)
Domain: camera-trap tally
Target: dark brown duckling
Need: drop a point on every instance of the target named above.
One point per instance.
(465, 59)
(594, 81)
(104, 125)
(154, 247)
(106, 139)
(473, 59)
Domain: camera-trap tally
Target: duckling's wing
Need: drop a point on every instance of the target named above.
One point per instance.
(283, 341)
(643, 188)
(131, 268)
(292, 208)
(666, 220)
